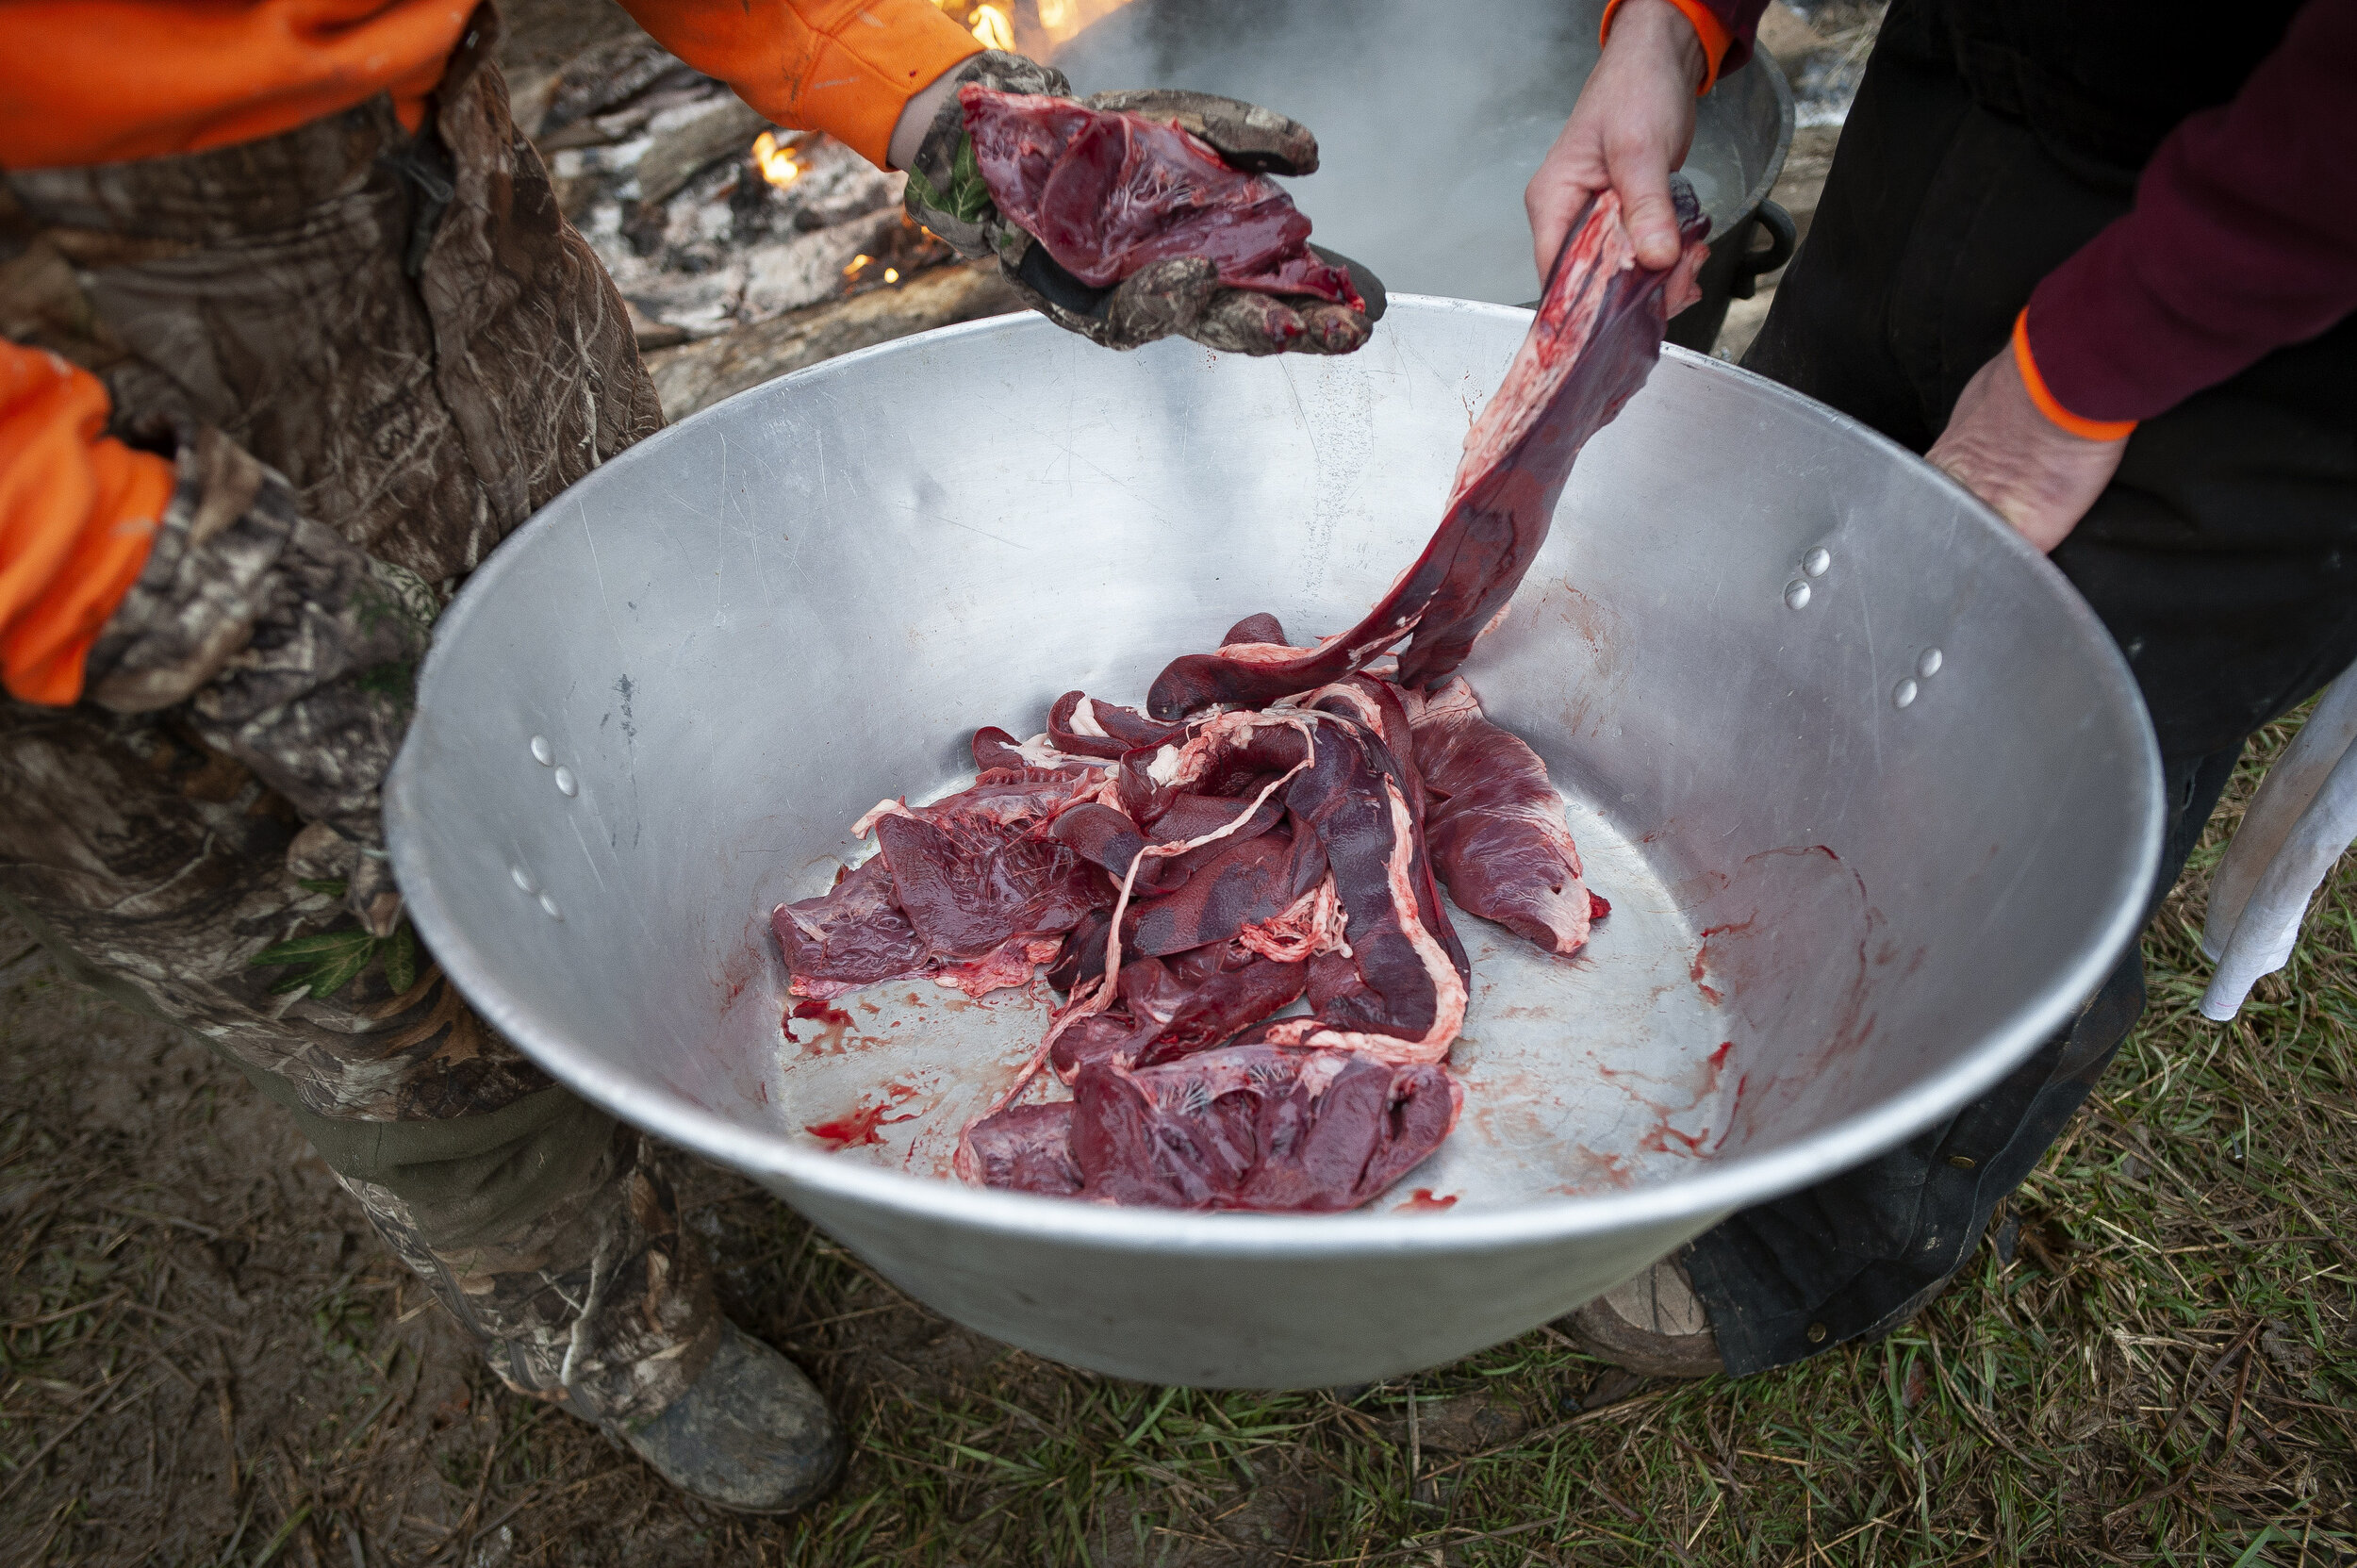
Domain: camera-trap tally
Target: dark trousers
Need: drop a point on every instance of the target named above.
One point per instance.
(2222, 558)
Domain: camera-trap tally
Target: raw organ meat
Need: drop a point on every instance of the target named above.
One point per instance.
(853, 936)
(963, 890)
(1108, 194)
(1495, 824)
(1594, 341)
(1189, 879)
(1251, 1127)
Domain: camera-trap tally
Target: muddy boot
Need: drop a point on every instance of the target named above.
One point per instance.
(752, 1434)
(1654, 1323)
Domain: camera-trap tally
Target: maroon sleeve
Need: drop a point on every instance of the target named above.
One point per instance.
(2243, 238)
(1740, 18)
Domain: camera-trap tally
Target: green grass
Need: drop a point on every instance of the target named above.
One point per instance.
(2165, 1372)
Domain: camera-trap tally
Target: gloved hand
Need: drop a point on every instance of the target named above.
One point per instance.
(1177, 296)
(293, 650)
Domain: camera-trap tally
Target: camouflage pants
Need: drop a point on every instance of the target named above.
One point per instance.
(407, 328)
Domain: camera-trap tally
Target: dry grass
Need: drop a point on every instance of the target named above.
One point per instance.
(202, 1362)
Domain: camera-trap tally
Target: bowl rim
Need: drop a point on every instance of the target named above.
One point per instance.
(1715, 1187)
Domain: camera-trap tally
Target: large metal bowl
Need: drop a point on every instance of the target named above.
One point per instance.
(1870, 791)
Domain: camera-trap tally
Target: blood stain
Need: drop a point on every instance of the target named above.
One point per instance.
(832, 1024)
(1421, 1201)
(858, 1126)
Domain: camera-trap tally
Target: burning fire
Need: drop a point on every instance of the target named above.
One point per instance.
(993, 28)
(1032, 26)
(1060, 19)
(777, 164)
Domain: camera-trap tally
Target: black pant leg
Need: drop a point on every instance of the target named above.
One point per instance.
(2219, 559)
(1860, 1252)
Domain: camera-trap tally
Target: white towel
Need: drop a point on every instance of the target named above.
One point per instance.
(2302, 819)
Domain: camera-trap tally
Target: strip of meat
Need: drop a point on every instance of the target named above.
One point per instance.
(1409, 999)
(1079, 725)
(1246, 880)
(1217, 991)
(974, 891)
(1494, 825)
(1254, 1127)
(1595, 340)
(1347, 790)
(852, 937)
(995, 749)
(1110, 192)
(1174, 1008)
(968, 893)
(1024, 1149)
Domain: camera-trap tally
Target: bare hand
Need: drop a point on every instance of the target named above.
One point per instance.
(1632, 125)
(2038, 475)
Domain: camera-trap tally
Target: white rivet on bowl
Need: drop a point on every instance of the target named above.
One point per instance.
(1817, 562)
(566, 783)
(1928, 665)
(549, 904)
(1903, 693)
(542, 752)
(1796, 594)
(523, 878)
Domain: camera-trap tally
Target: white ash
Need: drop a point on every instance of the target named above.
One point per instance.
(719, 247)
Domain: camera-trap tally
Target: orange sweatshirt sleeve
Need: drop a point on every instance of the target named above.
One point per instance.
(846, 67)
(104, 81)
(77, 513)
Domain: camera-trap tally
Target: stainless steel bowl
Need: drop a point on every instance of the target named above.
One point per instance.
(1870, 789)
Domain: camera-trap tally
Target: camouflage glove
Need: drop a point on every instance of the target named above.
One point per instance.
(1177, 296)
(293, 651)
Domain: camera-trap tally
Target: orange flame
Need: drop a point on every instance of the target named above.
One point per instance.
(1035, 29)
(777, 164)
(994, 28)
(1060, 19)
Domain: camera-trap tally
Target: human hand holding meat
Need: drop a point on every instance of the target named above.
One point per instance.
(2002, 447)
(1131, 216)
(291, 649)
(1631, 127)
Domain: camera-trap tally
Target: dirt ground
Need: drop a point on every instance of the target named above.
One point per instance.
(206, 1357)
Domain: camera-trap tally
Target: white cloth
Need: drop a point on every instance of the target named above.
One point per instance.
(2302, 819)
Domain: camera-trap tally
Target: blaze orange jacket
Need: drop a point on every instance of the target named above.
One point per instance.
(107, 81)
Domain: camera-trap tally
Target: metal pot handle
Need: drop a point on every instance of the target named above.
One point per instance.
(1750, 265)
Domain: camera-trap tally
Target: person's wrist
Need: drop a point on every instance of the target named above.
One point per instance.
(1658, 31)
(2034, 386)
(917, 116)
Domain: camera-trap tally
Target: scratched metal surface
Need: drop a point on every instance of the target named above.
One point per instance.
(1832, 736)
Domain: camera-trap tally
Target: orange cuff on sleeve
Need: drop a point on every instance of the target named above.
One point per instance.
(2087, 429)
(846, 67)
(77, 515)
(1712, 33)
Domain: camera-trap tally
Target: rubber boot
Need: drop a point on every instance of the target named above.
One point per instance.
(1653, 1325)
(750, 1435)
